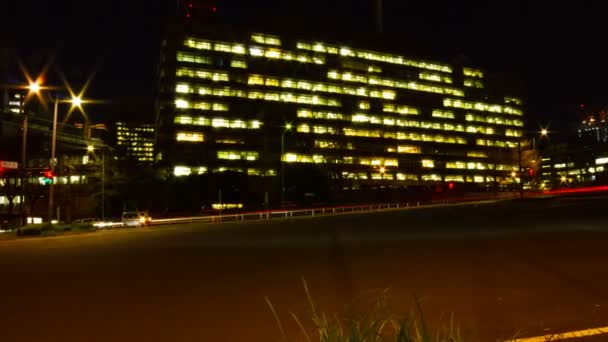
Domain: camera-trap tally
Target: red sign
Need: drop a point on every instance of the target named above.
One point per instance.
(8, 165)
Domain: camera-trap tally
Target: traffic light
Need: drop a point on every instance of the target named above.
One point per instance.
(451, 185)
(48, 176)
(531, 172)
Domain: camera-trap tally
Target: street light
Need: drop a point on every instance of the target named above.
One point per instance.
(33, 88)
(76, 101)
(286, 128)
(90, 148)
(544, 132)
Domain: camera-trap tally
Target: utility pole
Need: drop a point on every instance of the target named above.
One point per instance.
(23, 159)
(53, 162)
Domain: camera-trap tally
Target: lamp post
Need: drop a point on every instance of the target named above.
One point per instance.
(76, 102)
(33, 88)
(286, 128)
(543, 133)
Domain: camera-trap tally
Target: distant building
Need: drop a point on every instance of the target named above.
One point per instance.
(135, 141)
(565, 165)
(257, 104)
(594, 129)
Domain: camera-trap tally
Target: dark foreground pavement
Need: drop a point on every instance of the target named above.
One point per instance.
(501, 268)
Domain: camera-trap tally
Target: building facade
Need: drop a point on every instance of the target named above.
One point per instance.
(564, 165)
(135, 141)
(250, 102)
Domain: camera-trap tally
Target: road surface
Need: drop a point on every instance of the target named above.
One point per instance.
(505, 269)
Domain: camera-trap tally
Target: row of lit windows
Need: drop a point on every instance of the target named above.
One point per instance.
(185, 88)
(471, 83)
(411, 85)
(179, 171)
(496, 143)
(253, 95)
(202, 73)
(329, 144)
(481, 106)
(238, 63)
(405, 149)
(256, 51)
(430, 76)
(238, 155)
(189, 136)
(497, 120)
(265, 39)
(214, 106)
(472, 72)
(444, 114)
(319, 129)
(319, 86)
(414, 177)
(217, 122)
(513, 100)
(305, 113)
(401, 109)
(192, 58)
(370, 55)
(465, 165)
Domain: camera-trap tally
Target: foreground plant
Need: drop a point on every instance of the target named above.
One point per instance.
(377, 325)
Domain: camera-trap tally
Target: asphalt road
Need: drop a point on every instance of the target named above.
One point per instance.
(502, 269)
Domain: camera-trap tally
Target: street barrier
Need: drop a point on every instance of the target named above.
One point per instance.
(319, 211)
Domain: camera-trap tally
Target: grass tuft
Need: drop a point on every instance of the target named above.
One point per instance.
(378, 324)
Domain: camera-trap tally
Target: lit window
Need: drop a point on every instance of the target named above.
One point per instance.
(431, 177)
(406, 176)
(444, 114)
(428, 163)
(472, 72)
(408, 149)
(181, 171)
(189, 136)
(182, 88)
(454, 178)
(455, 165)
(237, 155)
(601, 161)
(179, 103)
(265, 39)
(238, 63)
(191, 58)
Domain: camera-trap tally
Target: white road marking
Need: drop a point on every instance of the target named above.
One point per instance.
(564, 335)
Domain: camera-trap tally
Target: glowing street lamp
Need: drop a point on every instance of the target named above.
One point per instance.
(90, 148)
(34, 87)
(544, 132)
(76, 101)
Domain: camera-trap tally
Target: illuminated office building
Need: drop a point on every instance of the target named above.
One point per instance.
(365, 116)
(135, 141)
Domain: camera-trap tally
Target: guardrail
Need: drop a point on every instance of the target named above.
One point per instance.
(320, 211)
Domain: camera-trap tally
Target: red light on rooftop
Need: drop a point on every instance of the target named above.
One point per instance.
(213, 9)
(582, 105)
(190, 5)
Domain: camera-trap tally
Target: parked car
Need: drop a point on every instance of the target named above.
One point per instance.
(136, 219)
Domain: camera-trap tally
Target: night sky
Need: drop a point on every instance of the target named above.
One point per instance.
(554, 55)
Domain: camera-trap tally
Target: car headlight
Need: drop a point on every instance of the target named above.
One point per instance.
(142, 219)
